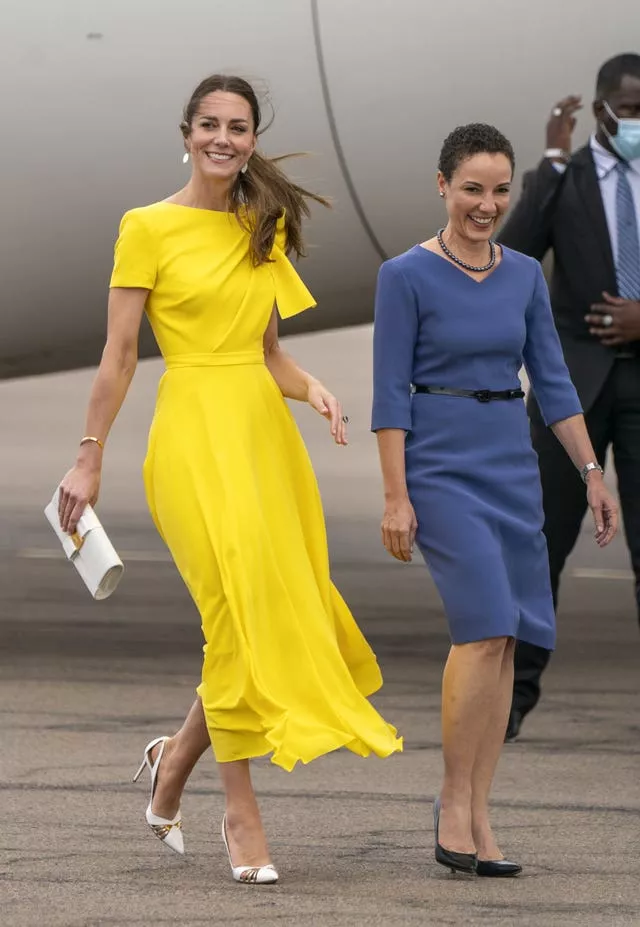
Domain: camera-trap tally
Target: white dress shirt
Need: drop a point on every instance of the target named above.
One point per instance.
(605, 164)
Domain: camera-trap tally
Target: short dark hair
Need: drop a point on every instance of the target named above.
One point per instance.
(612, 71)
(466, 141)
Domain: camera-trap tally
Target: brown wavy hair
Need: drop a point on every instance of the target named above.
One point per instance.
(263, 193)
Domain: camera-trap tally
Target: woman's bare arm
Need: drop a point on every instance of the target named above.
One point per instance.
(573, 436)
(391, 451)
(117, 367)
(295, 383)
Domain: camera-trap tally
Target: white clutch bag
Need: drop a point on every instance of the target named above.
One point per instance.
(89, 550)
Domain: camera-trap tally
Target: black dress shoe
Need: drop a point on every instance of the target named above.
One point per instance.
(456, 862)
(513, 727)
(497, 868)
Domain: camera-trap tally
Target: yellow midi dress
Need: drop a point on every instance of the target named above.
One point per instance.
(230, 486)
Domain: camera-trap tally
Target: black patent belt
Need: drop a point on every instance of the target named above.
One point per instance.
(482, 395)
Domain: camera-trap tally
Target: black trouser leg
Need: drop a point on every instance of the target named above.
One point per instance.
(565, 503)
(530, 664)
(626, 449)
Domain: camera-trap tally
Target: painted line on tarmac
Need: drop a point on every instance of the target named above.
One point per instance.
(160, 556)
(139, 556)
(588, 573)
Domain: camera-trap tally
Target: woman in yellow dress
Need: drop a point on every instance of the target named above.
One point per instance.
(286, 671)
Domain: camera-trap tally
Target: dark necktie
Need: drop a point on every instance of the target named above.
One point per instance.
(628, 263)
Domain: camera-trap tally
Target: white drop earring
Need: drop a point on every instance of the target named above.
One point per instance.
(243, 169)
(185, 157)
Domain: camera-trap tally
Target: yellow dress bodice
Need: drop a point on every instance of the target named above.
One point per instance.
(206, 296)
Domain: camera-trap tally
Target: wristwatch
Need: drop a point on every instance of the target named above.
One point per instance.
(556, 154)
(587, 468)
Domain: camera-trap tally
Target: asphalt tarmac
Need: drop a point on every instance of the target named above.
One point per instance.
(85, 685)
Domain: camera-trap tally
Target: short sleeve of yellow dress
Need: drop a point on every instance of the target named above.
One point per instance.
(230, 486)
(135, 263)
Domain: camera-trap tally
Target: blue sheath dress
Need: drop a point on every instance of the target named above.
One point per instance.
(472, 473)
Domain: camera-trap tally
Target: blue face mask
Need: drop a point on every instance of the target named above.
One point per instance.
(626, 142)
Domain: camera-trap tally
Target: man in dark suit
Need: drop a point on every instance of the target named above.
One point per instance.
(585, 208)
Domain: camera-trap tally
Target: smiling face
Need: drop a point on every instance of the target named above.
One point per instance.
(221, 137)
(477, 195)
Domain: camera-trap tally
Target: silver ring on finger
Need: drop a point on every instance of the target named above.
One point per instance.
(556, 111)
(607, 320)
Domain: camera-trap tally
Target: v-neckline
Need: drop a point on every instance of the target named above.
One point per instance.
(460, 270)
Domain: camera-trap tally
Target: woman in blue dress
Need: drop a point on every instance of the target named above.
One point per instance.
(456, 317)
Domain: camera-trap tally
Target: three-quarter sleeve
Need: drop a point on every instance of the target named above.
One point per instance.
(543, 358)
(395, 332)
(135, 256)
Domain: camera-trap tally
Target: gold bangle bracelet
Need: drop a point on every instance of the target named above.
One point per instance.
(95, 441)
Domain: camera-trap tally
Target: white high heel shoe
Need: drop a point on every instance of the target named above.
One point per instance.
(250, 875)
(170, 832)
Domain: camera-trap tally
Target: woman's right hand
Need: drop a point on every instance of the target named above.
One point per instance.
(399, 526)
(79, 488)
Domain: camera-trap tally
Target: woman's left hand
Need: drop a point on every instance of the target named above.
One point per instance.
(328, 406)
(603, 508)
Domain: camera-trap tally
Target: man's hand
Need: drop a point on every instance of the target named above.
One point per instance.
(615, 321)
(562, 122)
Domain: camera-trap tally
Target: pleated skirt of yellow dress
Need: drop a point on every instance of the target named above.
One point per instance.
(286, 670)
